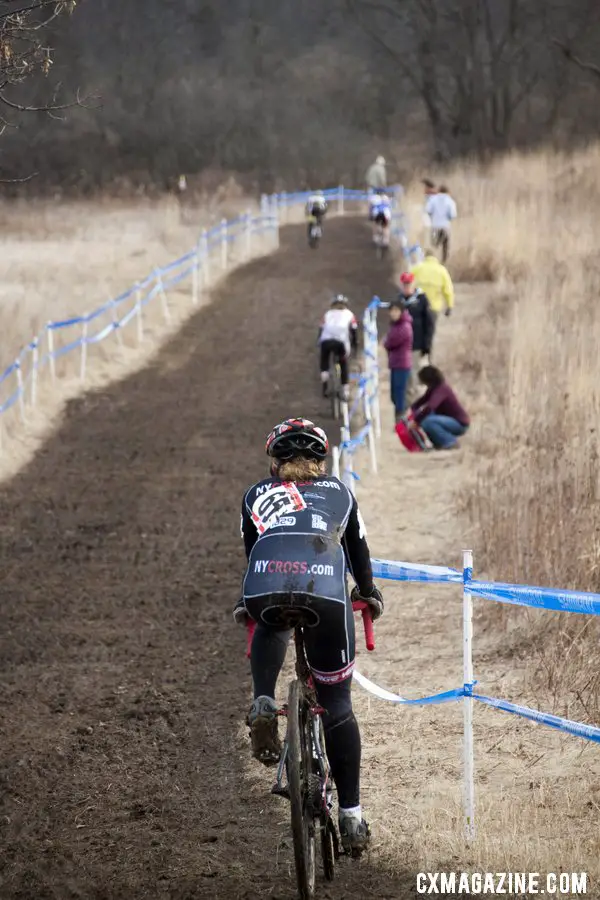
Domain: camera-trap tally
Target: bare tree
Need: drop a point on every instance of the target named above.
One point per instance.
(473, 63)
(572, 57)
(24, 50)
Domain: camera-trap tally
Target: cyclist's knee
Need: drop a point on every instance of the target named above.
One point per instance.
(336, 700)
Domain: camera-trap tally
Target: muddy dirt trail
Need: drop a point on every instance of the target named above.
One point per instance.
(123, 678)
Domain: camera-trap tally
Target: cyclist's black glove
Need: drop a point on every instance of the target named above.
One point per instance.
(448, 312)
(375, 601)
(240, 616)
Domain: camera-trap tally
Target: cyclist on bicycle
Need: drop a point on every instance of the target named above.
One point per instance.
(303, 532)
(316, 208)
(338, 334)
(381, 217)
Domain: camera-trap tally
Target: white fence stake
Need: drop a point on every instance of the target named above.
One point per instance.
(346, 457)
(371, 433)
(374, 364)
(204, 257)
(84, 345)
(341, 200)
(34, 370)
(275, 220)
(283, 204)
(163, 295)
(469, 784)
(50, 334)
(335, 461)
(138, 306)
(21, 392)
(224, 247)
(248, 234)
(116, 326)
(195, 275)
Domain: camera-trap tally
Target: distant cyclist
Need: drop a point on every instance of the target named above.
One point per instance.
(316, 209)
(303, 533)
(380, 214)
(338, 335)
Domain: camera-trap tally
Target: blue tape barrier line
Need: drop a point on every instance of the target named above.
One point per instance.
(542, 598)
(589, 732)
(523, 595)
(403, 571)
(391, 697)
(567, 726)
(551, 599)
(226, 231)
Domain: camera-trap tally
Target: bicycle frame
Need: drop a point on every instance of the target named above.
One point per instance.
(304, 676)
(309, 786)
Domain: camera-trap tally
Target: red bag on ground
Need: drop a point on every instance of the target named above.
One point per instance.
(412, 438)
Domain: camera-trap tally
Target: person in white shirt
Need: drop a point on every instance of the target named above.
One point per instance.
(338, 334)
(441, 209)
(376, 176)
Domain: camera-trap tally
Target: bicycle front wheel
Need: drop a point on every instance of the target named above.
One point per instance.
(303, 826)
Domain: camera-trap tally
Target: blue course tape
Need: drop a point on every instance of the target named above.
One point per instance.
(590, 732)
(100, 335)
(98, 312)
(12, 368)
(354, 443)
(127, 318)
(11, 400)
(171, 282)
(65, 323)
(176, 263)
(403, 571)
(56, 354)
(542, 598)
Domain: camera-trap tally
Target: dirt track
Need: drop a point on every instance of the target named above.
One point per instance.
(123, 677)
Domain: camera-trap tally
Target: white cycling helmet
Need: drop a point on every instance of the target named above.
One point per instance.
(380, 161)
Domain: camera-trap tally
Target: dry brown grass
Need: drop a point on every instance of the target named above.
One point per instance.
(529, 223)
(65, 259)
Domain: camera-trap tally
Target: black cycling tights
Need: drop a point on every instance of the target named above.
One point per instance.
(342, 737)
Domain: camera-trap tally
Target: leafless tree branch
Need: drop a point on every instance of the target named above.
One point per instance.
(568, 54)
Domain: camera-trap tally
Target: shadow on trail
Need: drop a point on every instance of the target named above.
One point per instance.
(123, 677)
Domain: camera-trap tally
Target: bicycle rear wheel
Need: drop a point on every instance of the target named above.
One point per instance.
(328, 848)
(329, 840)
(298, 770)
(334, 388)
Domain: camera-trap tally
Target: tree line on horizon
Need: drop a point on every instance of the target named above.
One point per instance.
(293, 93)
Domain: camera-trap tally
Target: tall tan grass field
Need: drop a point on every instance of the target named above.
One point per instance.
(529, 226)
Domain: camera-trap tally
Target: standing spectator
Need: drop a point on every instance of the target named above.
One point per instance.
(398, 343)
(423, 323)
(438, 411)
(441, 209)
(430, 190)
(376, 177)
(434, 279)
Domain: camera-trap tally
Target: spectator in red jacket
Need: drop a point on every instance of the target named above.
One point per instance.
(398, 343)
(438, 411)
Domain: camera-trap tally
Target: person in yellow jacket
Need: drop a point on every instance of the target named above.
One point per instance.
(434, 280)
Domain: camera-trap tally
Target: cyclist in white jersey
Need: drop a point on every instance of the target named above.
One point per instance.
(315, 209)
(338, 334)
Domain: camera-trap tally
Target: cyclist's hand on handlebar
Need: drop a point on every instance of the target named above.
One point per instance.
(240, 616)
(374, 601)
